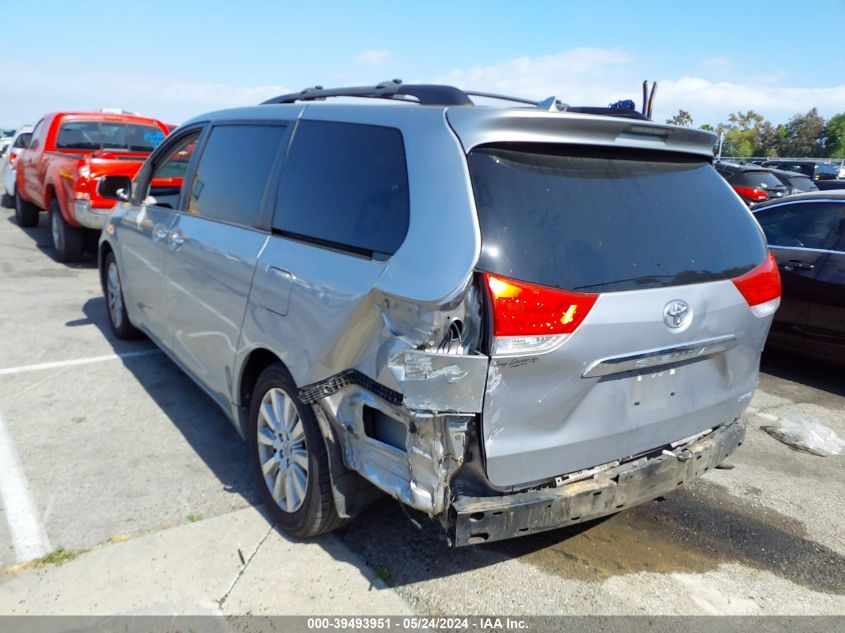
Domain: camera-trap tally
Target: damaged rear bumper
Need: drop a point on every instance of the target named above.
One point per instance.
(485, 519)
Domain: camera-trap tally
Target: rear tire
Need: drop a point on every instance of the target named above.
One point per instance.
(67, 240)
(289, 457)
(26, 213)
(8, 201)
(113, 288)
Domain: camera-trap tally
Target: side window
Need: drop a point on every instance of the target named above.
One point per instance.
(169, 174)
(23, 140)
(35, 140)
(233, 172)
(807, 225)
(345, 185)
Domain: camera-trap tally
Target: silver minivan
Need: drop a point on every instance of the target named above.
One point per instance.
(511, 319)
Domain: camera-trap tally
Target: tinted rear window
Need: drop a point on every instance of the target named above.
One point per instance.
(93, 135)
(756, 179)
(590, 220)
(802, 183)
(345, 185)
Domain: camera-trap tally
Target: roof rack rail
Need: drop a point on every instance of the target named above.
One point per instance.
(441, 95)
(425, 94)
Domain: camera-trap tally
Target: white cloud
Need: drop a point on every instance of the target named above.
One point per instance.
(596, 76)
(717, 100)
(580, 75)
(32, 90)
(372, 56)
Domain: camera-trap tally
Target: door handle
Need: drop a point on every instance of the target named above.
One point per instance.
(796, 264)
(175, 239)
(159, 233)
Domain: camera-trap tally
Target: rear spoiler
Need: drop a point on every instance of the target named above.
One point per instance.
(477, 126)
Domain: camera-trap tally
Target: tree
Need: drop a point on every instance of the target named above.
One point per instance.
(746, 134)
(834, 136)
(804, 135)
(683, 118)
(706, 127)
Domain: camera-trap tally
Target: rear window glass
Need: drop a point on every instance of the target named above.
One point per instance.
(756, 179)
(593, 221)
(345, 185)
(802, 183)
(93, 135)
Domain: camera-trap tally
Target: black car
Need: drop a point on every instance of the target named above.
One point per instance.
(806, 234)
(810, 168)
(753, 183)
(795, 182)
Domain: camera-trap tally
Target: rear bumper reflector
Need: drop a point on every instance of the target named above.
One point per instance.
(486, 519)
(659, 357)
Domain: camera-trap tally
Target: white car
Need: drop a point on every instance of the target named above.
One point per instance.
(9, 157)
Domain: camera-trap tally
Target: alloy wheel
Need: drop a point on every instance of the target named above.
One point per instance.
(282, 449)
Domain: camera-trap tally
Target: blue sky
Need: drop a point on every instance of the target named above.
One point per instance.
(177, 59)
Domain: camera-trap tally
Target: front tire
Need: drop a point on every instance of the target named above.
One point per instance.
(26, 213)
(68, 242)
(289, 457)
(118, 319)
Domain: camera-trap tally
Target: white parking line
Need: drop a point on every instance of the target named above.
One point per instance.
(28, 536)
(76, 361)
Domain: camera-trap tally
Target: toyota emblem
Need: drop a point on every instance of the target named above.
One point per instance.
(677, 314)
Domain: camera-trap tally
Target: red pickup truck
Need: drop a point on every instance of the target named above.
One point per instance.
(67, 155)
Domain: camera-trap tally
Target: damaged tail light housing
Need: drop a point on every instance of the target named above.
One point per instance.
(761, 287)
(532, 319)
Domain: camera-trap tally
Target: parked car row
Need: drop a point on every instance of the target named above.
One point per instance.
(510, 319)
(56, 166)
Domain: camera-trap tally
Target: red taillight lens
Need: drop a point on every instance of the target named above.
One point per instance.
(761, 287)
(12, 159)
(533, 317)
(752, 193)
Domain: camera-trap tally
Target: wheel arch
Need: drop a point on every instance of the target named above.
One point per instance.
(255, 362)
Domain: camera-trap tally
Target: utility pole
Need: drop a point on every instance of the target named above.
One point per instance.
(721, 139)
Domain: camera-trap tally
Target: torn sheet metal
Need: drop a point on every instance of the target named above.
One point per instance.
(441, 382)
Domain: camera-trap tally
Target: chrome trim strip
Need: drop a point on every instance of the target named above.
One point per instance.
(659, 357)
(804, 248)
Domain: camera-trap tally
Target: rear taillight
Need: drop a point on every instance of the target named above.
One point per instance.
(13, 158)
(752, 193)
(531, 319)
(761, 287)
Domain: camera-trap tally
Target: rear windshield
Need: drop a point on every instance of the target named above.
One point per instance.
(802, 183)
(593, 221)
(756, 179)
(92, 135)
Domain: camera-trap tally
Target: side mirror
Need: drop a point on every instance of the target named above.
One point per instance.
(115, 187)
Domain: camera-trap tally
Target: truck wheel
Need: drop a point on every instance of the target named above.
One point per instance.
(26, 213)
(289, 457)
(67, 239)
